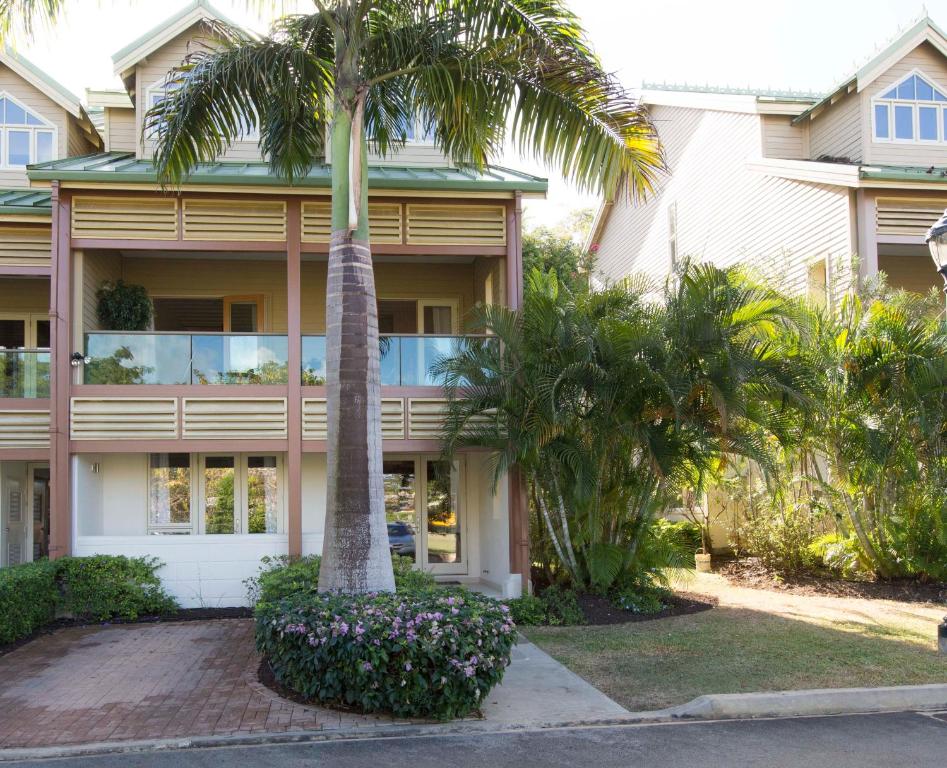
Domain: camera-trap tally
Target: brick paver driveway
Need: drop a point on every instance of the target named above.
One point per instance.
(142, 681)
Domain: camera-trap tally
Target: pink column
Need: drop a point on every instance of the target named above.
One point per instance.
(60, 375)
(294, 409)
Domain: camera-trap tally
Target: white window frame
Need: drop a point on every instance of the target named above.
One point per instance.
(46, 127)
(914, 104)
(240, 496)
(160, 87)
(419, 131)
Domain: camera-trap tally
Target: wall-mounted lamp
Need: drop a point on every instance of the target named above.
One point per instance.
(95, 467)
(78, 359)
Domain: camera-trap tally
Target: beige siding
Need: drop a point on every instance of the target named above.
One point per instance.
(392, 281)
(153, 70)
(26, 94)
(933, 65)
(910, 272)
(424, 155)
(837, 130)
(24, 295)
(782, 139)
(120, 130)
(97, 268)
(77, 140)
(725, 212)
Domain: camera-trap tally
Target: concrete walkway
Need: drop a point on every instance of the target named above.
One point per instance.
(192, 679)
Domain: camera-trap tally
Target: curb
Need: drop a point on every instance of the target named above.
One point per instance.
(725, 706)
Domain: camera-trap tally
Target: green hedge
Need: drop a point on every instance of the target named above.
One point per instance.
(84, 588)
(433, 653)
(281, 577)
(28, 599)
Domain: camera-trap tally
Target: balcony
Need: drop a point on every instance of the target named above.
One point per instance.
(234, 359)
(406, 360)
(24, 373)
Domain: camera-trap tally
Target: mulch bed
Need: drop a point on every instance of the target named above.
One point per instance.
(599, 611)
(749, 572)
(182, 614)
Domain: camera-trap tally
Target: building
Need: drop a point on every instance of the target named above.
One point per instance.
(815, 191)
(201, 441)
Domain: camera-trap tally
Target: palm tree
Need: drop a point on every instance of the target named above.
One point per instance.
(474, 72)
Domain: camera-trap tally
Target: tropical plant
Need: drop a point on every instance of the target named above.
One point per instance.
(467, 69)
(124, 307)
(610, 403)
(545, 249)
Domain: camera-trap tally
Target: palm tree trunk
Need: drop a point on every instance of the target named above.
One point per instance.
(355, 553)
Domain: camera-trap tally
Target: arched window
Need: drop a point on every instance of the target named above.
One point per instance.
(912, 111)
(26, 137)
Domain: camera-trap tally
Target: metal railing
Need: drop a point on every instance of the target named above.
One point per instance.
(24, 373)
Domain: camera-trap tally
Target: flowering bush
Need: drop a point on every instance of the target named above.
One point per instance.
(422, 654)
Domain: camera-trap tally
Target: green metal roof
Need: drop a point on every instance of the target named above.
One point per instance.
(31, 202)
(125, 167)
(931, 174)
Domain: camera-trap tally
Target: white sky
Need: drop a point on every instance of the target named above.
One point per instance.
(799, 44)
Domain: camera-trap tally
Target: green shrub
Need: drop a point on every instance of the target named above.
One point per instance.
(28, 598)
(282, 576)
(528, 611)
(430, 654)
(124, 307)
(684, 533)
(554, 606)
(106, 586)
(841, 555)
(642, 596)
(781, 535)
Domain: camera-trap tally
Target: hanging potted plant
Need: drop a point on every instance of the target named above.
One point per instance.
(124, 307)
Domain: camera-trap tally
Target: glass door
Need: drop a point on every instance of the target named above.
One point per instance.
(424, 515)
(219, 495)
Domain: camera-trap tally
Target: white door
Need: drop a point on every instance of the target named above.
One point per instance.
(16, 520)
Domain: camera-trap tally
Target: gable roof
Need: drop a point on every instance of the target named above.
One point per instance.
(924, 30)
(41, 81)
(191, 14)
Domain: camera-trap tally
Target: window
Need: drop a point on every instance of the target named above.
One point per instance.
(418, 131)
(26, 137)
(672, 235)
(162, 88)
(818, 278)
(215, 494)
(912, 111)
(169, 493)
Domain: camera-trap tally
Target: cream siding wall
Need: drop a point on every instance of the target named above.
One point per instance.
(837, 131)
(26, 94)
(782, 139)
(77, 140)
(120, 129)
(153, 70)
(95, 268)
(933, 65)
(422, 155)
(726, 213)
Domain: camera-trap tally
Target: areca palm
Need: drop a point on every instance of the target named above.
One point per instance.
(475, 72)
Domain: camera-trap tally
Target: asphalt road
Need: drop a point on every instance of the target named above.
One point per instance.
(905, 740)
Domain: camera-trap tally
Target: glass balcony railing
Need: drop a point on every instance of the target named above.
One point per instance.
(24, 373)
(182, 358)
(406, 361)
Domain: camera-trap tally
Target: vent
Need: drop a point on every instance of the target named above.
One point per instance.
(129, 218)
(426, 418)
(233, 418)
(245, 220)
(124, 418)
(384, 221)
(907, 217)
(315, 422)
(25, 247)
(24, 429)
(456, 225)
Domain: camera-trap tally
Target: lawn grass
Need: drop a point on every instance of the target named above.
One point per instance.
(661, 663)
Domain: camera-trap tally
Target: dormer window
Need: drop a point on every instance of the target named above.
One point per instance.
(913, 111)
(162, 88)
(26, 137)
